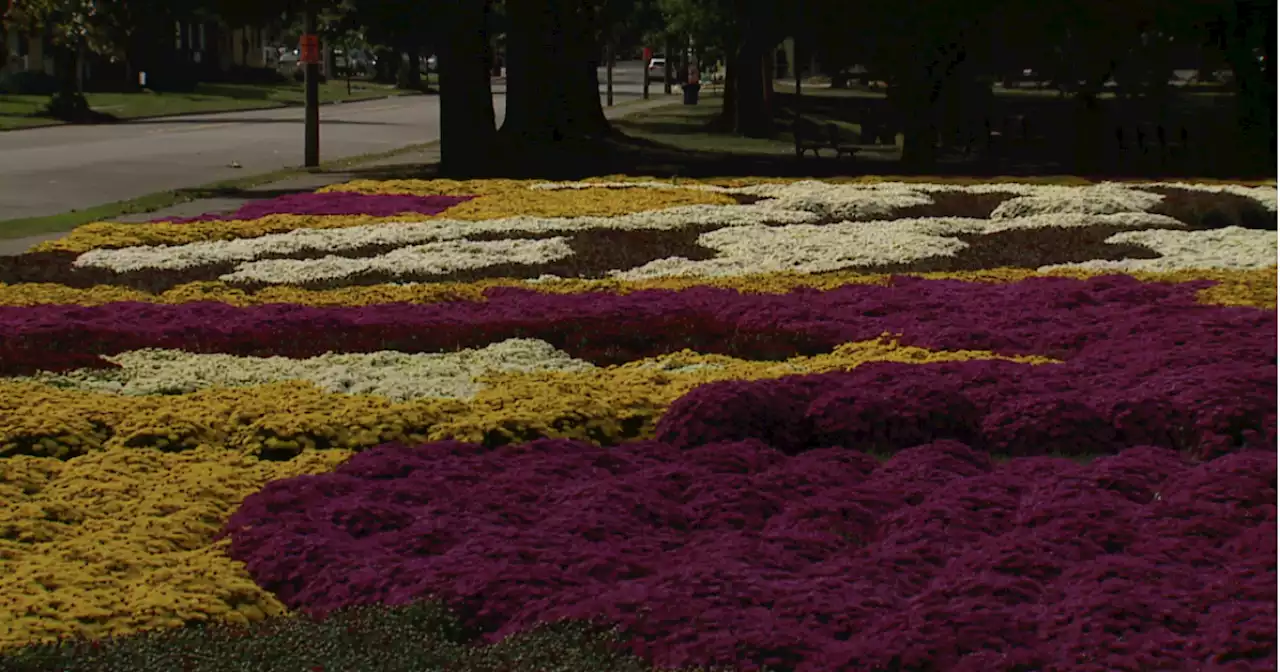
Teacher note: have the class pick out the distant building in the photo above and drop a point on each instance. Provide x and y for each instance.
(25, 52)
(206, 47)
(785, 61)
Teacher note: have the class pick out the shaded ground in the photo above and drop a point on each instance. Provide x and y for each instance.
(1034, 133)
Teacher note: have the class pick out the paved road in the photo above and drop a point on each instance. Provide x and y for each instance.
(46, 171)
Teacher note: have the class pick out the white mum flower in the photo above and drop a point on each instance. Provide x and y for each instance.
(402, 234)
(395, 375)
(806, 248)
(1097, 200)
(1232, 248)
(429, 259)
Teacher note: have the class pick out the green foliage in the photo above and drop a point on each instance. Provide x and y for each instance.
(394, 23)
(99, 26)
(414, 638)
(104, 27)
(28, 82)
(709, 22)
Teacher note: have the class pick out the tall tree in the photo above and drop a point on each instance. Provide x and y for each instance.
(552, 87)
(1243, 33)
(467, 133)
(746, 31)
(76, 28)
(407, 26)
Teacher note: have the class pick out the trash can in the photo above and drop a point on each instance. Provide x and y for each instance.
(691, 93)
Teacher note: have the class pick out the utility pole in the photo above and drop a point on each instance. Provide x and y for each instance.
(310, 56)
(669, 51)
(647, 54)
(608, 73)
(795, 63)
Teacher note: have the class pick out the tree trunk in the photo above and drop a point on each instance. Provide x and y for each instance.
(553, 92)
(729, 108)
(409, 68)
(415, 67)
(584, 111)
(916, 103)
(920, 129)
(1255, 85)
(69, 102)
(387, 66)
(770, 64)
(467, 132)
(751, 112)
(530, 98)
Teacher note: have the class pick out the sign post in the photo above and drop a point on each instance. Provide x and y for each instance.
(644, 71)
(309, 57)
(608, 73)
(666, 69)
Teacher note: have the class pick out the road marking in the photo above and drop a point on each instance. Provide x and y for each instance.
(378, 109)
(192, 128)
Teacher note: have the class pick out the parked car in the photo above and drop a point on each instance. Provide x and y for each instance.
(657, 68)
(287, 56)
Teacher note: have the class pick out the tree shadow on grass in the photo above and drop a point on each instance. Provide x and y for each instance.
(655, 144)
(417, 171)
(243, 193)
(202, 118)
(80, 118)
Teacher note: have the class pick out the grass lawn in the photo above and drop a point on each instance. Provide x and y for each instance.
(21, 111)
(690, 128)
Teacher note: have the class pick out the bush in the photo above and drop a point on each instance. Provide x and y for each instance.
(412, 638)
(735, 553)
(246, 75)
(29, 83)
(299, 75)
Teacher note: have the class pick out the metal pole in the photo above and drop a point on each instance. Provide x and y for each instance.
(644, 74)
(311, 116)
(795, 63)
(666, 68)
(608, 73)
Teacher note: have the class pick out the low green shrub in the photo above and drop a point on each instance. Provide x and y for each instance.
(28, 83)
(420, 637)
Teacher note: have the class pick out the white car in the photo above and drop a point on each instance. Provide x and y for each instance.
(657, 68)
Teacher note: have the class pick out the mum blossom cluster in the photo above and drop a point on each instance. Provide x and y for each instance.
(417, 233)
(1112, 194)
(833, 471)
(804, 248)
(431, 258)
(1231, 248)
(394, 375)
(1132, 352)
(737, 553)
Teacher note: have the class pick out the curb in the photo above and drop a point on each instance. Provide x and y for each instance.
(180, 115)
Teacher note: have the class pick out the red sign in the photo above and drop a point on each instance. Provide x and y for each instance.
(648, 54)
(309, 49)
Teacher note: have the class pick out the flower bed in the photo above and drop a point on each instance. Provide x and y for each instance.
(717, 416)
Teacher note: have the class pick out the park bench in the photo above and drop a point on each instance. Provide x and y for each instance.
(841, 146)
(807, 137)
(811, 137)
(877, 131)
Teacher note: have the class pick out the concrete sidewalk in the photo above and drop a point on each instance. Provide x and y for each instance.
(305, 182)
